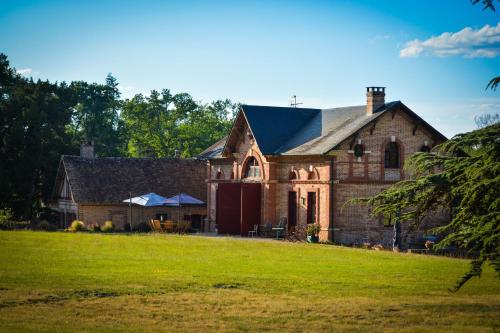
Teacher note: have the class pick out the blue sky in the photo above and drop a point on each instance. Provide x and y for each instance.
(262, 52)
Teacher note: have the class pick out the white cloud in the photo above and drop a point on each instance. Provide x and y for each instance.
(379, 38)
(468, 42)
(24, 71)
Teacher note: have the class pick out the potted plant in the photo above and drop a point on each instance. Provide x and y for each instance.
(312, 233)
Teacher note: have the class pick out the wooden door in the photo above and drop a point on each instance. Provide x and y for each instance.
(228, 209)
(311, 207)
(292, 210)
(250, 206)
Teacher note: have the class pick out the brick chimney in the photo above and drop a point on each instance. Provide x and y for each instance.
(375, 98)
(87, 149)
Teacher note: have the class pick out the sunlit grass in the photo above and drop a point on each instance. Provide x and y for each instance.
(67, 282)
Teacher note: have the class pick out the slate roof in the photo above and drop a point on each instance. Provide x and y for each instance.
(109, 180)
(214, 150)
(274, 126)
(301, 131)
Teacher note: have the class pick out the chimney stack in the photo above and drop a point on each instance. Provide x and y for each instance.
(375, 98)
(87, 149)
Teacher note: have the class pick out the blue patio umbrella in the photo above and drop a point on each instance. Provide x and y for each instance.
(147, 200)
(182, 199)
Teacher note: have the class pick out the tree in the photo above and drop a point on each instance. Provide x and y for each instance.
(96, 116)
(461, 175)
(488, 4)
(161, 124)
(33, 122)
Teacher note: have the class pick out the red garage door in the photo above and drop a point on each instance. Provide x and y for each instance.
(228, 208)
(250, 207)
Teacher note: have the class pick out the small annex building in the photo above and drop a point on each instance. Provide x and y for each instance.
(92, 189)
(303, 164)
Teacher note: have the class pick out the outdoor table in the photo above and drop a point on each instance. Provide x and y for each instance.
(278, 229)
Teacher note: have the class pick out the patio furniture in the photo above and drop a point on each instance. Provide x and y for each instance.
(265, 230)
(168, 226)
(280, 229)
(253, 233)
(156, 226)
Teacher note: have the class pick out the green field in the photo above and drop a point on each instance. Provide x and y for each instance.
(106, 282)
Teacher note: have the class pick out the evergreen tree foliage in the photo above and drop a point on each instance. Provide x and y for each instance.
(462, 175)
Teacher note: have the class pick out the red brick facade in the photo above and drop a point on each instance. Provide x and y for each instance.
(334, 177)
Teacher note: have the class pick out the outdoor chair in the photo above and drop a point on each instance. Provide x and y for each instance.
(265, 230)
(155, 226)
(253, 233)
(168, 226)
(280, 229)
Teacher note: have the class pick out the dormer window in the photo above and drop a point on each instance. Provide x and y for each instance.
(252, 168)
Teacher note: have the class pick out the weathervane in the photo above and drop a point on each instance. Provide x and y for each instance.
(294, 103)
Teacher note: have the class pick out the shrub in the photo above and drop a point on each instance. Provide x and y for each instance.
(108, 227)
(313, 229)
(94, 228)
(46, 226)
(6, 222)
(76, 226)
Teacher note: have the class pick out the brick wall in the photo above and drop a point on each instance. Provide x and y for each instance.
(352, 177)
(119, 214)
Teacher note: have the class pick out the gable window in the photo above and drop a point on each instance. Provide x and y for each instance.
(252, 168)
(220, 174)
(392, 155)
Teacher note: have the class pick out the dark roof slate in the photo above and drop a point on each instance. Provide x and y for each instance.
(301, 131)
(273, 126)
(108, 180)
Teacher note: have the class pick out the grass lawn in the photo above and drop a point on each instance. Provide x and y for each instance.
(97, 282)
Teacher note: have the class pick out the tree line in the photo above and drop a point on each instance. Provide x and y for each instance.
(42, 120)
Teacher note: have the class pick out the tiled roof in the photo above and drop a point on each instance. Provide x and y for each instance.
(113, 179)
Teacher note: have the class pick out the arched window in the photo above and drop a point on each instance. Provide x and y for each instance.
(392, 155)
(292, 175)
(220, 174)
(252, 168)
(311, 175)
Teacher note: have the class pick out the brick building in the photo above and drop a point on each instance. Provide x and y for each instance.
(92, 189)
(304, 164)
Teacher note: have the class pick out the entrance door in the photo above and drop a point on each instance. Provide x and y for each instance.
(250, 207)
(292, 210)
(228, 211)
(311, 207)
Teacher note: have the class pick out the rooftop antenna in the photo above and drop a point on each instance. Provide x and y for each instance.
(294, 103)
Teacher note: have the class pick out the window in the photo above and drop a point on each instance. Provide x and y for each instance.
(220, 174)
(311, 175)
(359, 150)
(292, 175)
(311, 207)
(392, 155)
(425, 149)
(252, 169)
